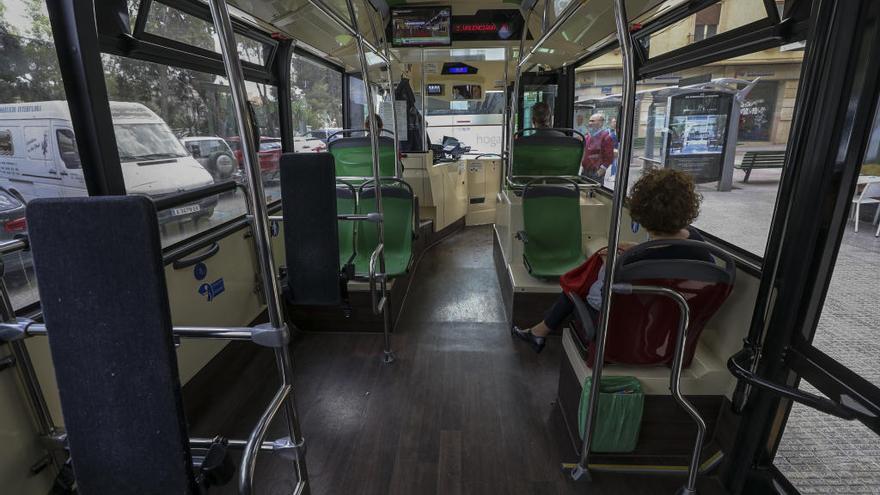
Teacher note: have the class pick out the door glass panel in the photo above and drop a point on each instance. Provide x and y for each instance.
(821, 453)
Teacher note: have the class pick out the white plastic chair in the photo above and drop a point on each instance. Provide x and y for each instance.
(869, 195)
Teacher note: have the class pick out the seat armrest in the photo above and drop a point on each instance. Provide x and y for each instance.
(583, 316)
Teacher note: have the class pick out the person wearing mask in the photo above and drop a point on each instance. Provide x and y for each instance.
(598, 148)
(664, 202)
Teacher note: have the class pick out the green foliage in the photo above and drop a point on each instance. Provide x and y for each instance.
(29, 71)
(316, 96)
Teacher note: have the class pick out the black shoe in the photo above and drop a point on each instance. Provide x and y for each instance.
(536, 342)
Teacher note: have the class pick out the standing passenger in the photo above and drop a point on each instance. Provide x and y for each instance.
(598, 149)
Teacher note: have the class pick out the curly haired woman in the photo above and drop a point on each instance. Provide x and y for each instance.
(664, 202)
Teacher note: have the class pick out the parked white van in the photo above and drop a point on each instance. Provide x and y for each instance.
(39, 158)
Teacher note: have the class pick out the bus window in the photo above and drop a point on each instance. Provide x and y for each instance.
(729, 117)
(264, 99)
(316, 101)
(153, 107)
(167, 22)
(711, 21)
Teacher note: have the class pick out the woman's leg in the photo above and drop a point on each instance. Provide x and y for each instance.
(556, 316)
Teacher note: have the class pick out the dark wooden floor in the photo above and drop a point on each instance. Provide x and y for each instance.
(464, 410)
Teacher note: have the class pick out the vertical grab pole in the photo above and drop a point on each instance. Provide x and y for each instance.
(514, 100)
(626, 134)
(260, 226)
(398, 173)
(388, 355)
(423, 98)
(505, 114)
(675, 387)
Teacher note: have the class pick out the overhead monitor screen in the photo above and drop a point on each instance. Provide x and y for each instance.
(421, 26)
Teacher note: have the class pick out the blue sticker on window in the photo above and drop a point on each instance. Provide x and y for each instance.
(200, 271)
(635, 227)
(213, 289)
(274, 228)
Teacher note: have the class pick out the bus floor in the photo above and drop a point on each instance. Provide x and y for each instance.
(463, 410)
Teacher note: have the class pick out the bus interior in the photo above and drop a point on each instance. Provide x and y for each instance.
(314, 291)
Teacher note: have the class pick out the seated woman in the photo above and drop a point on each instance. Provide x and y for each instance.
(664, 202)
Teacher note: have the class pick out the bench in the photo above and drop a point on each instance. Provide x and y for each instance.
(761, 159)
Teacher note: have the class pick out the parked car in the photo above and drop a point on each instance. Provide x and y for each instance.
(214, 154)
(12, 215)
(269, 153)
(40, 158)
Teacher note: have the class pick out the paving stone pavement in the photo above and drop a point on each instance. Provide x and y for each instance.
(819, 454)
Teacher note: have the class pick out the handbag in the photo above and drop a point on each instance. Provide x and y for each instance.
(580, 279)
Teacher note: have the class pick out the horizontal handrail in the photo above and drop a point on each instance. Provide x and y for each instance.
(369, 217)
(204, 443)
(583, 183)
(194, 195)
(263, 335)
(17, 244)
(814, 401)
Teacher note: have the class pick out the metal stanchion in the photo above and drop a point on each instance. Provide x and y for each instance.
(628, 116)
(387, 355)
(262, 241)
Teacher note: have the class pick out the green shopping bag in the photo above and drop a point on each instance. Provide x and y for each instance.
(619, 417)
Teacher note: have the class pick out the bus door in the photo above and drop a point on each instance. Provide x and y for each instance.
(812, 346)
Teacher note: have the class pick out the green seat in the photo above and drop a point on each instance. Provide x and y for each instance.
(547, 152)
(397, 200)
(354, 156)
(346, 204)
(552, 229)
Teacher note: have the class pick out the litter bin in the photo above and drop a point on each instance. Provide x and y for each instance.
(619, 417)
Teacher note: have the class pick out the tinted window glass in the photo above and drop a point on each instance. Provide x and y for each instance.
(316, 92)
(688, 121)
(155, 105)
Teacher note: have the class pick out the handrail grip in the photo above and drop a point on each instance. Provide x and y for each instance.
(814, 401)
(374, 258)
(255, 441)
(14, 245)
(677, 364)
